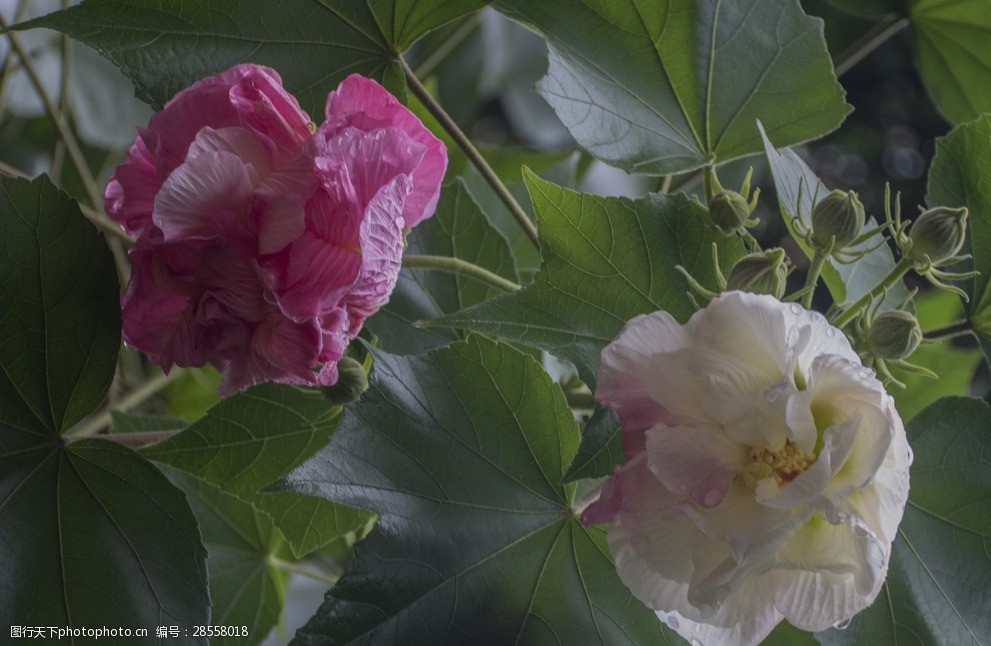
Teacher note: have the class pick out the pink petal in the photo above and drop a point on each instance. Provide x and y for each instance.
(198, 191)
(700, 462)
(364, 104)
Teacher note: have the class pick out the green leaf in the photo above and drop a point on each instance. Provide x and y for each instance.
(461, 451)
(246, 442)
(59, 309)
(797, 186)
(94, 535)
(243, 543)
(951, 39)
(955, 365)
(937, 588)
(164, 46)
(458, 229)
(601, 447)
(664, 87)
(960, 175)
(605, 260)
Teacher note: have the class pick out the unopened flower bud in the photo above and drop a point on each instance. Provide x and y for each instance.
(760, 273)
(837, 220)
(729, 211)
(352, 381)
(937, 235)
(894, 335)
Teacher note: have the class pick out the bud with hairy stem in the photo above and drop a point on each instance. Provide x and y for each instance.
(760, 273)
(352, 382)
(894, 335)
(937, 235)
(837, 220)
(729, 211)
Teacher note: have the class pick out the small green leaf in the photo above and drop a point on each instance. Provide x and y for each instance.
(797, 186)
(952, 43)
(937, 589)
(960, 175)
(165, 46)
(605, 260)
(664, 87)
(458, 229)
(59, 309)
(462, 451)
(246, 442)
(246, 589)
(601, 447)
(94, 535)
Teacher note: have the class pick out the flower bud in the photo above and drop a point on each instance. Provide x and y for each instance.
(729, 211)
(760, 273)
(352, 381)
(894, 335)
(837, 220)
(937, 235)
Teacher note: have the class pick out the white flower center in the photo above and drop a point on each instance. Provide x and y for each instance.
(784, 465)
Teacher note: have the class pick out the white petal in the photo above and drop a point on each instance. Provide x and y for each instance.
(697, 461)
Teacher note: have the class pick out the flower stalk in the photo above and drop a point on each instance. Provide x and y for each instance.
(459, 266)
(850, 313)
(471, 152)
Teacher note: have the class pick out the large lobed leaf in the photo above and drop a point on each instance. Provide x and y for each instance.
(165, 45)
(92, 534)
(960, 175)
(937, 589)
(461, 451)
(660, 87)
(605, 260)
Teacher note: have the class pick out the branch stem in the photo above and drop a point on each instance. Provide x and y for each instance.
(896, 274)
(812, 277)
(302, 571)
(103, 419)
(471, 152)
(955, 329)
(61, 126)
(459, 266)
(871, 40)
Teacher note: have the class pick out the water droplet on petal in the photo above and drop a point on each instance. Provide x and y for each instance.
(795, 309)
(843, 624)
(696, 642)
(909, 454)
(672, 623)
(830, 332)
(860, 530)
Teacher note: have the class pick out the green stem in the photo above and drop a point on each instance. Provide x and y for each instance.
(471, 152)
(896, 274)
(137, 440)
(871, 40)
(459, 266)
(302, 571)
(103, 419)
(58, 155)
(955, 329)
(71, 145)
(812, 277)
